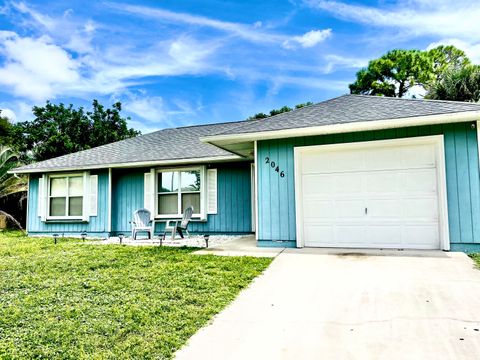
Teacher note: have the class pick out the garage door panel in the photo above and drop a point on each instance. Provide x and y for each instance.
(317, 210)
(384, 208)
(321, 184)
(385, 159)
(421, 209)
(349, 209)
(348, 184)
(319, 235)
(384, 235)
(350, 235)
(332, 162)
(420, 180)
(371, 197)
(418, 156)
(421, 236)
(383, 182)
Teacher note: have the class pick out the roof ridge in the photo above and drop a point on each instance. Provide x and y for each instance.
(415, 99)
(247, 122)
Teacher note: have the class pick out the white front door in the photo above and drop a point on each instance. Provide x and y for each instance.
(370, 195)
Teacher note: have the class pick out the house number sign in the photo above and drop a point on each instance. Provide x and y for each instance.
(274, 166)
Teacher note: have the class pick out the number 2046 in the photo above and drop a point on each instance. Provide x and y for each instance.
(274, 166)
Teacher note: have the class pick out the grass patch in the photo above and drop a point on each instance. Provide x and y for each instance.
(476, 258)
(78, 301)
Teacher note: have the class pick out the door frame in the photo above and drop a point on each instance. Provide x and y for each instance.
(437, 140)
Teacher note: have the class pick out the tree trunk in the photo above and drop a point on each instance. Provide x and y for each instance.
(10, 217)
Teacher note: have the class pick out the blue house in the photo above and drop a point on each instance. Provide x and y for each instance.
(354, 171)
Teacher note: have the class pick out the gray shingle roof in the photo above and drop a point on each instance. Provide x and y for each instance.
(184, 143)
(349, 109)
(163, 145)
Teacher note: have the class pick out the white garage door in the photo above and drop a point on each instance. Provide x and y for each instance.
(370, 195)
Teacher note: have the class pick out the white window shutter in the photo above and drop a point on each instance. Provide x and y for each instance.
(149, 192)
(42, 198)
(93, 195)
(211, 191)
(86, 196)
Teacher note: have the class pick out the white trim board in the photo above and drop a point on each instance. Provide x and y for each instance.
(437, 140)
(190, 161)
(255, 164)
(109, 205)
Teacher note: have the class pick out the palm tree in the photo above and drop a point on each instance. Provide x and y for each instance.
(9, 183)
(462, 84)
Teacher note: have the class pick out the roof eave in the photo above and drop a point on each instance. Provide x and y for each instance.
(222, 140)
(212, 159)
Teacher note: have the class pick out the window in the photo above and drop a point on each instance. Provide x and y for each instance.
(177, 190)
(65, 196)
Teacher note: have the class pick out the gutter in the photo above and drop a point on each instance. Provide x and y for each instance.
(222, 158)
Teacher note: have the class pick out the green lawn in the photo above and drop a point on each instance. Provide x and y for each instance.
(476, 258)
(74, 301)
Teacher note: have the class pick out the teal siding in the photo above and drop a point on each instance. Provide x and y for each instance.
(276, 194)
(127, 196)
(96, 226)
(233, 207)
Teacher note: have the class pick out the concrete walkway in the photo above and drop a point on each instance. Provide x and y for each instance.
(330, 304)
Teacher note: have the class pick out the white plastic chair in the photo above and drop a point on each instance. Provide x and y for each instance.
(179, 225)
(141, 223)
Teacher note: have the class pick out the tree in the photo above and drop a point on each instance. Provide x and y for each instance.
(393, 74)
(396, 72)
(58, 130)
(10, 184)
(281, 110)
(458, 84)
(5, 130)
(299, 106)
(445, 58)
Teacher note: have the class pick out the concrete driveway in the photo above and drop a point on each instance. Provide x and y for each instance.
(326, 304)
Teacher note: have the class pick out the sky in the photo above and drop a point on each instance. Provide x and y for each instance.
(179, 63)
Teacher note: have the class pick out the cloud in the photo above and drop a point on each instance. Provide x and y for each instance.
(415, 17)
(33, 68)
(159, 113)
(335, 62)
(16, 110)
(75, 35)
(9, 114)
(252, 33)
(309, 39)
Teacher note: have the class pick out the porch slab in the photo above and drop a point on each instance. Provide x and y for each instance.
(242, 246)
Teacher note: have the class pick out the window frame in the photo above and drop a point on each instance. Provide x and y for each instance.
(67, 197)
(199, 213)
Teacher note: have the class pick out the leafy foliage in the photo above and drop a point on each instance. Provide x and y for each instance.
(281, 110)
(9, 183)
(393, 74)
(396, 72)
(79, 301)
(59, 130)
(446, 58)
(6, 130)
(458, 84)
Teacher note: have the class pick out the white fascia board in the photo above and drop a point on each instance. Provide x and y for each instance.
(132, 164)
(344, 128)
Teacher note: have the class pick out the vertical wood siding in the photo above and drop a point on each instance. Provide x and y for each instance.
(276, 195)
(96, 225)
(127, 196)
(233, 209)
